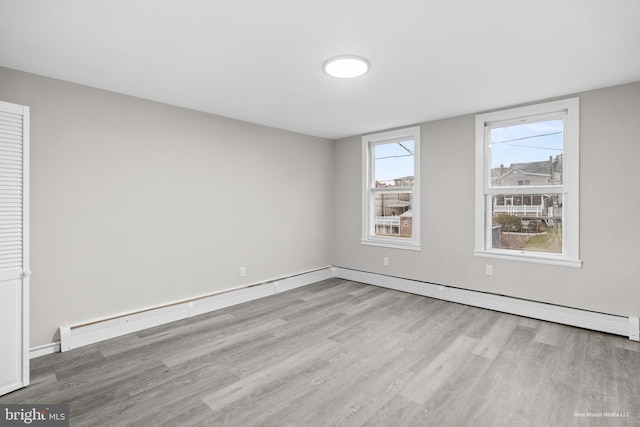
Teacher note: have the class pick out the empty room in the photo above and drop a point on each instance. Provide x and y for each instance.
(288, 213)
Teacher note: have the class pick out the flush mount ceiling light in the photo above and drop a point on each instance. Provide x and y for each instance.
(346, 66)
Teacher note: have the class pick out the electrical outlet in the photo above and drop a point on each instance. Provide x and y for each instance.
(243, 271)
(488, 269)
(385, 260)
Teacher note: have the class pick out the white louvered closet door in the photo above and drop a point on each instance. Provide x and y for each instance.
(14, 254)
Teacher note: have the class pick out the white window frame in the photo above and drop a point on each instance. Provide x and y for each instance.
(368, 190)
(568, 110)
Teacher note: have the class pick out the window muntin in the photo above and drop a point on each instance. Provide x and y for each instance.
(391, 189)
(527, 183)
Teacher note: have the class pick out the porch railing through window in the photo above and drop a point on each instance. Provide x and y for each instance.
(388, 225)
(519, 209)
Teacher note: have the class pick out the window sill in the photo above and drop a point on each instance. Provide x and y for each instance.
(530, 257)
(410, 246)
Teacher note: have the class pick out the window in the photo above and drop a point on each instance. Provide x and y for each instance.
(527, 187)
(391, 189)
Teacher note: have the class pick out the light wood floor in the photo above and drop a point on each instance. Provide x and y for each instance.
(344, 353)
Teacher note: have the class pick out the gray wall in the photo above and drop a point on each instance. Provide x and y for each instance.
(136, 203)
(609, 280)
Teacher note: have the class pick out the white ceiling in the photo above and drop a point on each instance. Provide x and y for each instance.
(261, 60)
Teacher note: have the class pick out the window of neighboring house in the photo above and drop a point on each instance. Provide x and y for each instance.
(527, 187)
(391, 189)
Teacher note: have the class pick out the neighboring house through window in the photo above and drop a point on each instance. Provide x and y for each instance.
(527, 187)
(391, 189)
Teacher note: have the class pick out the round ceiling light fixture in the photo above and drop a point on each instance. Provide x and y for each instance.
(346, 66)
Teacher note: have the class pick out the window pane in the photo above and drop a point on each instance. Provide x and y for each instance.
(528, 222)
(527, 154)
(393, 164)
(393, 214)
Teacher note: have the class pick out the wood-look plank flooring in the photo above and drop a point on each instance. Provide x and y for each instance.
(339, 353)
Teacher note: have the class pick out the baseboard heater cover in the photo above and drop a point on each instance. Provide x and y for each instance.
(613, 324)
(90, 332)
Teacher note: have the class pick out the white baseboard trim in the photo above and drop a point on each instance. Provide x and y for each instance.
(93, 331)
(43, 350)
(614, 324)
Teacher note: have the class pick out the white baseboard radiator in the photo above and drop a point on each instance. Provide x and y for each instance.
(90, 332)
(613, 324)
